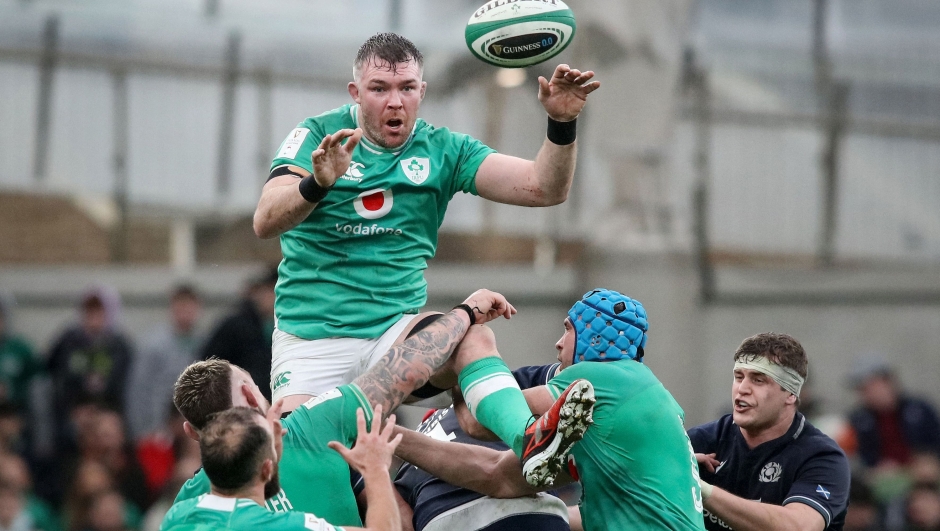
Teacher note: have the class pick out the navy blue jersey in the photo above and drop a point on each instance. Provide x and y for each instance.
(430, 496)
(803, 466)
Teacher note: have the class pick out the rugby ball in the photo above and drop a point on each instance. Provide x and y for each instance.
(518, 33)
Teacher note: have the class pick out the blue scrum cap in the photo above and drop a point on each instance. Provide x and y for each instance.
(608, 326)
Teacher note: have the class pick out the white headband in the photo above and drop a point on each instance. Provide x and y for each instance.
(785, 376)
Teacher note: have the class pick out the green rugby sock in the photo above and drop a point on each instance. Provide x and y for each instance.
(495, 400)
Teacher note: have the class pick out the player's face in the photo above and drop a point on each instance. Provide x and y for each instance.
(565, 346)
(759, 402)
(388, 101)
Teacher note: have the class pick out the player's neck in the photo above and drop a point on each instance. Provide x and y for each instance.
(252, 492)
(758, 436)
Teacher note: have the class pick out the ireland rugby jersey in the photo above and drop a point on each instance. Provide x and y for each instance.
(314, 478)
(636, 463)
(236, 514)
(355, 265)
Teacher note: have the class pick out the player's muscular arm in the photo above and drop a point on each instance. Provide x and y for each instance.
(408, 365)
(484, 470)
(748, 515)
(546, 180)
(282, 206)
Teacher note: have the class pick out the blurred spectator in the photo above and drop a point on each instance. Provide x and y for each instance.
(104, 442)
(15, 478)
(244, 338)
(923, 509)
(91, 478)
(108, 512)
(162, 357)
(182, 471)
(11, 429)
(889, 425)
(159, 452)
(863, 513)
(89, 361)
(18, 364)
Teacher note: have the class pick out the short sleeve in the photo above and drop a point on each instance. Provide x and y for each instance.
(471, 155)
(823, 484)
(313, 523)
(297, 148)
(353, 399)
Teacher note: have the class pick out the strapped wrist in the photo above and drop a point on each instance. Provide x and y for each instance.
(469, 310)
(562, 133)
(311, 190)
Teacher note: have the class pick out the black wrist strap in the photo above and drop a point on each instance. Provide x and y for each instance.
(562, 133)
(311, 190)
(469, 310)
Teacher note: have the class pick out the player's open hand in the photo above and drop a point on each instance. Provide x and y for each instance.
(488, 305)
(374, 449)
(331, 158)
(708, 461)
(566, 93)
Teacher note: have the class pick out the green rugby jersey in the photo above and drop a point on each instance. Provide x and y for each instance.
(636, 463)
(355, 265)
(314, 478)
(211, 512)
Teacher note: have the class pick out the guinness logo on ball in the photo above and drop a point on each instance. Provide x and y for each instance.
(524, 46)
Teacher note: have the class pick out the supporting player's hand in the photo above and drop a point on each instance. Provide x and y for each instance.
(374, 449)
(331, 158)
(708, 461)
(488, 305)
(566, 93)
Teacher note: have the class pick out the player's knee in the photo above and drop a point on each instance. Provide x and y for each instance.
(480, 342)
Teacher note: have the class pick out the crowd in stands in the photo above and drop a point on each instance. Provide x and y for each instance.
(90, 441)
(89, 437)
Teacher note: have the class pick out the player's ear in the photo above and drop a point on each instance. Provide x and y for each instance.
(190, 431)
(353, 89)
(249, 396)
(424, 88)
(267, 470)
(791, 399)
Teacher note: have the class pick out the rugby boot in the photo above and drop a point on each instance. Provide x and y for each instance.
(549, 439)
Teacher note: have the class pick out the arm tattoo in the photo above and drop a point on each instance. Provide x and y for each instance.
(409, 364)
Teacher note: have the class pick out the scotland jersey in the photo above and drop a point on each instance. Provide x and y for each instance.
(431, 497)
(803, 466)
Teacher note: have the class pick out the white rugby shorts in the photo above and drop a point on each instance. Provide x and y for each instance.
(311, 367)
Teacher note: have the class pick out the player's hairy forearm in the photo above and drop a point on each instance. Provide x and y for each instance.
(554, 171)
(480, 469)
(748, 515)
(281, 207)
(408, 365)
(382, 514)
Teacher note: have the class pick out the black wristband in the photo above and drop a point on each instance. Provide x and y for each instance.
(311, 189)
(469, 310)
(562, 133)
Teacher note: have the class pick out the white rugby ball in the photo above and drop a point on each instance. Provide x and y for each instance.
(518, 33)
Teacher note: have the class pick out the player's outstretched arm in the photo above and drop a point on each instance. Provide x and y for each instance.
(749, 515)
(372, 457)
(409, 364)
(286, 200)
(546, 180)
(478, 468)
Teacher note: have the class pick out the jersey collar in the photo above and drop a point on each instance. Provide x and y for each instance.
(375, 148)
